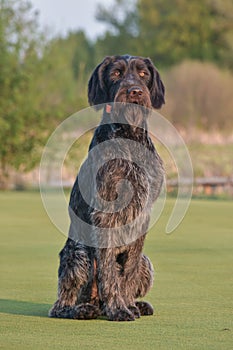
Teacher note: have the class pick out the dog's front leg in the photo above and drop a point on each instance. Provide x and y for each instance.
(109, 286)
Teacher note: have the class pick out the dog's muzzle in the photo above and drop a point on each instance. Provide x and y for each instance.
(134, 94)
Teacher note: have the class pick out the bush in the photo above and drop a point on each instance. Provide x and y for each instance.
(199, 95)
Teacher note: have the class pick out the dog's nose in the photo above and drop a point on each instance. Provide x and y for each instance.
(134, 91)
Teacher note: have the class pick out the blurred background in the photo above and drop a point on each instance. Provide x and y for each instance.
(49, 49)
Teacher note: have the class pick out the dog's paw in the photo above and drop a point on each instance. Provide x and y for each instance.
(145, 308)
(86, 312)
(121, 315)
(77, 312)
(135, 311)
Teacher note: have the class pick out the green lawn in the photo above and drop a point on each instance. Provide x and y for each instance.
(192, 293)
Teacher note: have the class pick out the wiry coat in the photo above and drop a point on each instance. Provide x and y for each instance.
(105, 273)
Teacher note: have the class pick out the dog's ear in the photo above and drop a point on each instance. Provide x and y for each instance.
(97, 89)
(157, 89)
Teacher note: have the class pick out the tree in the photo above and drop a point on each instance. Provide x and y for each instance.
(174, 31)
(67, 64)
(83, 55)
(41, 83)
(122, 28)
(171, 31)
(20, 56)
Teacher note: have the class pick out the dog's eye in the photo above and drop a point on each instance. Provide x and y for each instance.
(142, 74)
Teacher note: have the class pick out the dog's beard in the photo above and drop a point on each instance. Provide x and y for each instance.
(134, 113)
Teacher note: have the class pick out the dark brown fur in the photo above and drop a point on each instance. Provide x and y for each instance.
(98, 279)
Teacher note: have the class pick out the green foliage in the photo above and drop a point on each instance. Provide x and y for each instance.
(83, 56)
(40, 84)
(170, 31)
(122, 30)
(119, 17)
(19, 66)
(65, 74)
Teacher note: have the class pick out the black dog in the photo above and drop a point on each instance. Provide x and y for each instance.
(102, 269)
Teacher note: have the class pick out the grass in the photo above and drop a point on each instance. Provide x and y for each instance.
(192, 293)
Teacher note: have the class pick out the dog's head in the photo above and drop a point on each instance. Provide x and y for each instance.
(126, 79)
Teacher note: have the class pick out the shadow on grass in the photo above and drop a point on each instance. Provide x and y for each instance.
(25, 308)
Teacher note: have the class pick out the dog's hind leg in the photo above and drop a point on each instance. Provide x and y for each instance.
(135, 281)
(145, 281)
(75, 284)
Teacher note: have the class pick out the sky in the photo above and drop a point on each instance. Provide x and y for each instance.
(60, 16)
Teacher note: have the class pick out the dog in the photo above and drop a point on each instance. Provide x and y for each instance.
(102, 269)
